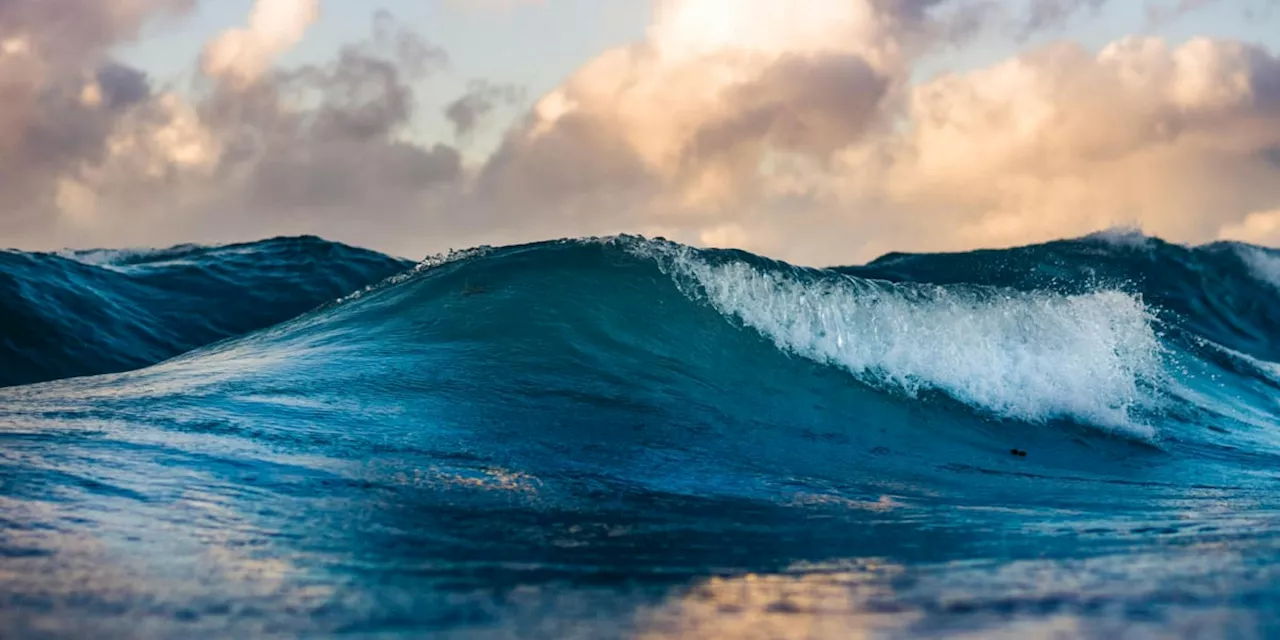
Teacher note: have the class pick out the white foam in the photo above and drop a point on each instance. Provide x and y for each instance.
(1265, 265)
(105, 257)
(1124, 237)
(1033, 357)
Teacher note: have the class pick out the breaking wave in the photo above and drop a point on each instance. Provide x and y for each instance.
(529, 440)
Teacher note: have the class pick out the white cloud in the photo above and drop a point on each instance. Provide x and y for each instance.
(275, 26)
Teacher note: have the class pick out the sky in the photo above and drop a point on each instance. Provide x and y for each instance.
(816, 131)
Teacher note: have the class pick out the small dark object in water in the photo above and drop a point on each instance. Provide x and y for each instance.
(1018, 452)
(473, 290)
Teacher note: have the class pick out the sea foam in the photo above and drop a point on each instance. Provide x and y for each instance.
(1265, 265)
(1094, 357)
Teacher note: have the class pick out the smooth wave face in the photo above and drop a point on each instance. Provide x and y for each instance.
(622, 437)
(104, 311)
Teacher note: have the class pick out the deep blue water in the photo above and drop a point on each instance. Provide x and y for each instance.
(631, 438)
(102, 311)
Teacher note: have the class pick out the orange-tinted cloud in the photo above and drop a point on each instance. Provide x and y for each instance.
(794, 129)
(796, 132)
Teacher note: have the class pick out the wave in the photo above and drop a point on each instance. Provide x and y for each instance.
(1107, 333)
(1265, 263)
(1111, 349)
(1028, 356)
(81, 313)
(1223, 291)
(656, 427)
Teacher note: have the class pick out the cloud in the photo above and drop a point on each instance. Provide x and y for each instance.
(480, 101)
(1261, 227)
(1160, 12)
(62, 95)
(317, 148)
(797, 130)
(275, 26)
(674, 130)
(97, 156)
(1061, 142)
(1044, 14)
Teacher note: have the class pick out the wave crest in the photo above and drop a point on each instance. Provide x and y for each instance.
(1029, 356)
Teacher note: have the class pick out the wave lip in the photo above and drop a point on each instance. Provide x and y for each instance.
(1029, 356)
(1222, 291)
(1265, 264)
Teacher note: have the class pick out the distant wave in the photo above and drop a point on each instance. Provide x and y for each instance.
(81, 313)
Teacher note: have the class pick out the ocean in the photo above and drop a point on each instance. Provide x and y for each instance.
(631, 438)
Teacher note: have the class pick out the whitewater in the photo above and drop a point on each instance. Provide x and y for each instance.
(629, 437)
